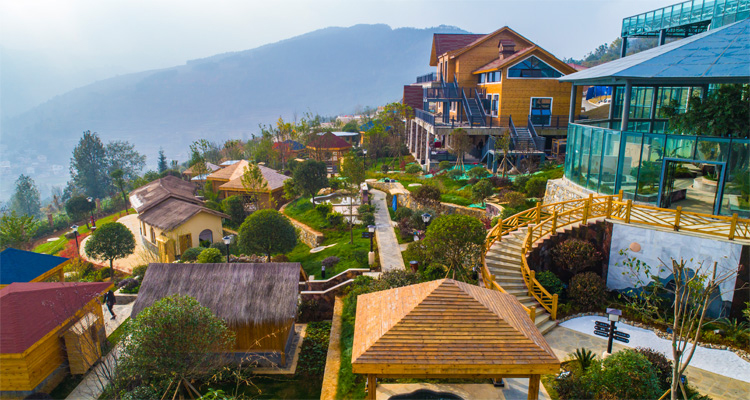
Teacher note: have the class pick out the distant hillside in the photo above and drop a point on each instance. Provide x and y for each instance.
(329, 71)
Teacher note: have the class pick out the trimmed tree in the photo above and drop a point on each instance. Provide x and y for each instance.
(481, 190)
(309, 177)
(110, 242)
(78, 207)
(456, 241)
(267, 232)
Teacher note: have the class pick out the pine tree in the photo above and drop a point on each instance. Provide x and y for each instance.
(25, 200)
(162, 165)
(88, 166)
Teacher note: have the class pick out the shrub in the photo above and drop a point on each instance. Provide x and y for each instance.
(662, 365)
(500, 182)
(536, 186)
(587, 290)
(481, 190)
(233, 207)
(365, 208)
(403, 212)
(413, 169)
(312, 357)
(329, 262)
(324, 208)
(426, 194)
(219, 246)
(571, 385)
(520, 182)
(575, 255)
(361, 257)
(443, 165)
(477, 172)
(335, 219)
(140, 270)
(367, 218)
(280, 258)
(514, 199)
(210, 256)
(334, 183)
(454, 173)
(127, 283)
(584, 357)
(397, 278)
(608, 381)
(384, 168)
(550, 281)
(191, 254)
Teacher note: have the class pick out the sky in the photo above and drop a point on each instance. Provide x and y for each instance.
(137, 35)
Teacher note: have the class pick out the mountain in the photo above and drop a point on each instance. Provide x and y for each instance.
(328, 71)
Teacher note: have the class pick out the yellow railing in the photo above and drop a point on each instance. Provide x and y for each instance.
(546, 219)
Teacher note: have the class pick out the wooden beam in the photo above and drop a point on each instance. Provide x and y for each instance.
(534, 387)
(371, 387)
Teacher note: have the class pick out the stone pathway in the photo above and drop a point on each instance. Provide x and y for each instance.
(565, 341)
(140, 256)
(388, 248)
(333, 358)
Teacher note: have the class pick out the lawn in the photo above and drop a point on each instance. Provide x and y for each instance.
(350, 255)
(58, 245)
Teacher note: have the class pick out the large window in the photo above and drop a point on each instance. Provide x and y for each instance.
(533, 67)
(541, 110)
(491, 77)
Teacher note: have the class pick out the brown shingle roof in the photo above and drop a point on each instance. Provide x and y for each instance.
(273, 179)
(500, 62)
(240, 294)
(211, 168)
(173, 212)
(153, 193)
(228, 173)
(445, 42)
(329, 141)
(446, 327)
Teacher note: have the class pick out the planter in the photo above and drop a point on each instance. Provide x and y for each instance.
(705, 185)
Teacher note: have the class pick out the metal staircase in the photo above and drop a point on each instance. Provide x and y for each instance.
(504, 263)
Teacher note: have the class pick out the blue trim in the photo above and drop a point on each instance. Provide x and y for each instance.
(719, 184)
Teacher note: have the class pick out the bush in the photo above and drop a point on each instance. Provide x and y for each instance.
(413, 169)
(607, 379)
(140, 270)
(366, 208)
(361, 257)
(191, 254)
(129, 286)
(329, 262)
(500, 182)
(335, 219)
(575, 255)
(233, 207)
(219, 246)
(324, 208)
(588, 291)
(662, 365)
(477, 172)
(426, 194)
(514, 199)
(536, 186)
(454, 173)
(384, 168)
(443, 165)
(403, 212)
(520, 182)
(551, 282)
(367, 219)
(334, 183)
(210, 256)
(312, 357)
(280, 258)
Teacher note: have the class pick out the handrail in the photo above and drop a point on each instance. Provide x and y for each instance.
(481, 105)
(538, 141)
(546, 219)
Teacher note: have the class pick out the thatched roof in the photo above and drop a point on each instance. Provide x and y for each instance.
(230, 172)
(241, 294)
(153, 193)
(209, 166)
(274, 180)
(329, 141)
(174, 212)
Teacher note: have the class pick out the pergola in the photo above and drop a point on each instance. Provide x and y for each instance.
(719, 55)
(447, 329)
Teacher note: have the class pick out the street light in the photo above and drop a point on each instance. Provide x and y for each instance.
(228, 241)
(426, 217)
(93, 223)
(75, 234)
(364, 158)
(371, 234)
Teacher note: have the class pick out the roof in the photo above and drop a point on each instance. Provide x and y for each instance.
(577, 67)
(445, 42)
(521, 55)
(211, 168)
(342, 134)
(228, 163)
(153, 193)
(720, 55)
(24, 266)
(29, 311)
(234, 170)
(241, 294)
(273, 178)
(295, 145)
(446, 327)
(518, 37)
(174, 212)
(328, 141)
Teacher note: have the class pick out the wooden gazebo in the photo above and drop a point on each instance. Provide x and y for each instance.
(447, 329)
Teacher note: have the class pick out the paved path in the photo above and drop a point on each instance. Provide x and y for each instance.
(140, 256)
(333, 358)
(565, 341)
(388, 248)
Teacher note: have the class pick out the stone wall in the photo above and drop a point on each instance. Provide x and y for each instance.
(562, 190)
(306, 234)
(322, 301)
(405, 200)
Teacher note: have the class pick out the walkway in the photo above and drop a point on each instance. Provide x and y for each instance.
(388, 248)
(333, 358)
(140, 256)
(565, 341)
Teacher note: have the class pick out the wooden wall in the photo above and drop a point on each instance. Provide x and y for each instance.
(262, 338)
(25, 371)
(482, 55)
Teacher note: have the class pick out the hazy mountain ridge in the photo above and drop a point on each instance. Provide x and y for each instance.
(328, 71)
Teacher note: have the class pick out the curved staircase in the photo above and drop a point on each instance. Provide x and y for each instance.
(504, 263)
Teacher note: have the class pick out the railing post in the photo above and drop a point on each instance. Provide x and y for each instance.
(628, 207)
(587, 208)
(532, 314)
(554, 306)
(538, 212)
(677, 214)
(609, 207)
(619, 195)
(733, 226)
(554, 222)
(532, 273)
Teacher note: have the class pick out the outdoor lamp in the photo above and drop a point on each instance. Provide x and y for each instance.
(75, 234)
(426, 218)
(227, 241)
(613, 314)
(371, 229)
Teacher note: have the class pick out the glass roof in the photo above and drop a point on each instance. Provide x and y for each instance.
(717, 56)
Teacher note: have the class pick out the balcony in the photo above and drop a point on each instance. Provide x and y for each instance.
(431, 77)
(689, 17)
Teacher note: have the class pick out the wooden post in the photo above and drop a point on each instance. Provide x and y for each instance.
(61, 275)
(534, 387)
(733, 226)
(532, 273)
(609, 207)
(619, 195)
(532, 314)
(538, 212)
(677, 215)
(554, 306)
(628, 207)
(371, 385)
(587, 209)
(554, 222)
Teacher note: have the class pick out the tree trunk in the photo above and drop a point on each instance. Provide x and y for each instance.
(268, 257)
(125, 200)
(111, 270)
(351, 219)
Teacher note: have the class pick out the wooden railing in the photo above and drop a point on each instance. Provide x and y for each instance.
(546, 219)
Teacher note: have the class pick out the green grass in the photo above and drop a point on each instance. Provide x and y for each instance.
(58, 245)
(455, 199)
(115, 336)
(350, 386)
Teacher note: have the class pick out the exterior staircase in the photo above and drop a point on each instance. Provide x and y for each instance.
(474, 114)
(524, 140)
(504, 262)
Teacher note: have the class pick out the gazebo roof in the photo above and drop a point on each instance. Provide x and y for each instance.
(25, 266)
(447, 328)
(717, 56)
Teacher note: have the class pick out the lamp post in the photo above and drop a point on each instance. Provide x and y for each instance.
(227, 241)
(371, 234)
(613, 315)
(364, 158)
(93, 222)
(75, 235)
(426, 217)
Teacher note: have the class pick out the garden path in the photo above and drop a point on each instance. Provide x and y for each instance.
(565, 341)
(388, 248)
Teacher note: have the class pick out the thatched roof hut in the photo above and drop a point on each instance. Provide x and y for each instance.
(258, 301)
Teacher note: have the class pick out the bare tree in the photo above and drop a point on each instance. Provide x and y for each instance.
(461, 144)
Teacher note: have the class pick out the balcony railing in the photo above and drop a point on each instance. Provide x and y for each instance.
(425, 116)
(719, 12)
(431, 77)
(553, 121)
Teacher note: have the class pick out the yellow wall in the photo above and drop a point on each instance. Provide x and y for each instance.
(194, 226)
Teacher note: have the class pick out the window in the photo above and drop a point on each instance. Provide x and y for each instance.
(490, 77)
(533, 67)
(495, 104)
(481, 78)
(153, 236)
(541, 110)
